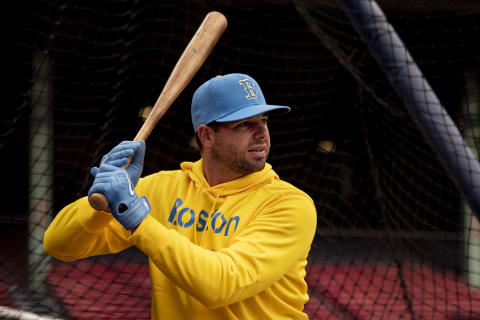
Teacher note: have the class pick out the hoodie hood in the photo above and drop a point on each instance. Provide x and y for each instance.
(249, 182)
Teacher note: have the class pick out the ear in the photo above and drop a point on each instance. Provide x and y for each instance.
(206, 135)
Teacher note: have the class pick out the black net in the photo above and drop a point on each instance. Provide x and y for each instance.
(395, 238)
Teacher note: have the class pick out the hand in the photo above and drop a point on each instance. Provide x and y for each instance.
(115, 184)
(119, 157)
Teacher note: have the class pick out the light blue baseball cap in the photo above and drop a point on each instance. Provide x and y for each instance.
(228, 98)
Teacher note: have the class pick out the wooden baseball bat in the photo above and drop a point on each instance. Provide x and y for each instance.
(192, 58)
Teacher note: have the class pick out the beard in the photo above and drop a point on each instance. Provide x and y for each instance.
(235, 159)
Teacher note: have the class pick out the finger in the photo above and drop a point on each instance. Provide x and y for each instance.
(98, 188)
(139, 154)
(120, 158)
(93, 171)
(105, 168)
(124, 145)
(120, 154)
(104, 178)
(118, 163)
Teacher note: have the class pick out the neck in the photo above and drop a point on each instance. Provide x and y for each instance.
(216, 173)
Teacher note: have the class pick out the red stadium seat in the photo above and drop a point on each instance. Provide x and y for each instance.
(363, 291)
(96, 290)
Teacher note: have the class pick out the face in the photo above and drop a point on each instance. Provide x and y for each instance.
(242, 146)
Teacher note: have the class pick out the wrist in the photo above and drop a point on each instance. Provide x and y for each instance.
(134, 214)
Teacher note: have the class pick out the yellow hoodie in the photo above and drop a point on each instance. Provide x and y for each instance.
(237, 250)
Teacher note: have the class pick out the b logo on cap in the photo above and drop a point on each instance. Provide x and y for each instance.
(248, 86)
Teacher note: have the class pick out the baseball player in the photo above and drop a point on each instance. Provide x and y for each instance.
(226, 238)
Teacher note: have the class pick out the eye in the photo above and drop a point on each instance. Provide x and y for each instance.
(243, 124)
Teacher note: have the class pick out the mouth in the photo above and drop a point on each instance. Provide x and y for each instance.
(257, 150)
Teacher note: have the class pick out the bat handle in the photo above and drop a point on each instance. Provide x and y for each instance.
(98, 201)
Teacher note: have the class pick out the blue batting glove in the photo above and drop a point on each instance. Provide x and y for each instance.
(115, 184)
(119, 156)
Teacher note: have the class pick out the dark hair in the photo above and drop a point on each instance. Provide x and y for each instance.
(196, 143)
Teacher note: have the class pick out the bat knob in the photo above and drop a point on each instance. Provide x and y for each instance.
(99, 202)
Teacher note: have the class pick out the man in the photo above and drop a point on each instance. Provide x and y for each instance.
(225, 237)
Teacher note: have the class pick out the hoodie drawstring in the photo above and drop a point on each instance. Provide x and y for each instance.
(210, 214)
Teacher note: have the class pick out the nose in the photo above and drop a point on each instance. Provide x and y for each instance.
(261, 130)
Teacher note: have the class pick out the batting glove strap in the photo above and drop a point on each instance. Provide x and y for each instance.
(134, 213)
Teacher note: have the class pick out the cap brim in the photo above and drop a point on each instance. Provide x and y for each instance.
(251, 111)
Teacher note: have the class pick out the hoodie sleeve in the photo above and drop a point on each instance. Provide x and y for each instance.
(263, 252)
(78, 231)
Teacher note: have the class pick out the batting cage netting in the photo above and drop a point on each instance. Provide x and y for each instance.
(396, 237)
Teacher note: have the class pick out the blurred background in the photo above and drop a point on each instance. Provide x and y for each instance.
(395, 236)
